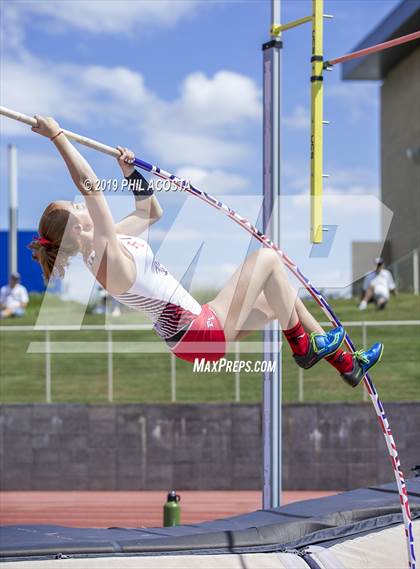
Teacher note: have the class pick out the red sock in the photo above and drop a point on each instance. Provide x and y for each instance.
(298, 339)
(341, 360)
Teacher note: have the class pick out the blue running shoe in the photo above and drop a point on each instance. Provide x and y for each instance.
(321, 345)
(363, 361)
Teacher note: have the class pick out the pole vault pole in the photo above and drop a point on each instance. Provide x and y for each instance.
(272, 380)
(294, 269)
(373, 49)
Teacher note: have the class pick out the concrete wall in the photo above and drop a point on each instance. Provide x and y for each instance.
(400, 130)
(197, 446)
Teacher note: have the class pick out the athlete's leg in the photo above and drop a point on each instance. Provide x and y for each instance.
(308, 321)
(229, 307)
(260, 315)
(262, 271)
(341, 360)
(347, 364)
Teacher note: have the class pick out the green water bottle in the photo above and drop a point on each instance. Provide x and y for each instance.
(172, 510)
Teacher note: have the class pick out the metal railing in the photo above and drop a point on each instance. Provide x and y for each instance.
(409, 267)
(111, 347)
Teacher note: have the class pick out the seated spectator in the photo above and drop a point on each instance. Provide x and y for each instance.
(13, 298)
(377, 286)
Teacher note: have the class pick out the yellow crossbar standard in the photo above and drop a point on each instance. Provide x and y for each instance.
(316, 120)
(277, 28)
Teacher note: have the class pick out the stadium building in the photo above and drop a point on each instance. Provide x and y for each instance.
(399, 70)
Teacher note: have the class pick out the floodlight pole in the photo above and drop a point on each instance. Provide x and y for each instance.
(13, 208)
(272, 380)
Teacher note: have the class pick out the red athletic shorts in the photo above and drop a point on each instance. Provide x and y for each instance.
(204, 338)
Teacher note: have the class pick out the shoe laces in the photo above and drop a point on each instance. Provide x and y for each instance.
(312, 337)
(361, 356)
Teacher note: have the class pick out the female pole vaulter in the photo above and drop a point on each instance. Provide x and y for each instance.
(124, 264)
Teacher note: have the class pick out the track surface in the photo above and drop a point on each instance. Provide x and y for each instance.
(128, 509)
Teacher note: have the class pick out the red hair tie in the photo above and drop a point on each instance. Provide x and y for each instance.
(43, 241)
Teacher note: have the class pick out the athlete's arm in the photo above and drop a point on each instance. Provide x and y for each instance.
(108, 250)
(83, 176)
(148, 209)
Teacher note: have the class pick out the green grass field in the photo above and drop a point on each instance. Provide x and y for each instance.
(146, 377)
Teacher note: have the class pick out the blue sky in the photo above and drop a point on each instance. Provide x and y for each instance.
(180, 83)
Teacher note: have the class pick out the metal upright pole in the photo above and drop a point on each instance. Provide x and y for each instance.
(416, 271)
(271, 188)
(13, 208)
(110, 368)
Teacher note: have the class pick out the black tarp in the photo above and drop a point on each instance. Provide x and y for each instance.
(325, 521)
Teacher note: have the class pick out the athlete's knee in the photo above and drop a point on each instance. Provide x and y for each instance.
(268, 256)
(274, 260)
(264, 262)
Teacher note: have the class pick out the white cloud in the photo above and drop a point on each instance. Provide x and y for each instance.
(120, 83)
(355, 181)
(350, 190)
(201, 132)
(345, 176)
(299, 119)
(213, 181)
(226, 98)
(68, 91)
(173, 131)
(173, 147)
(341, 181)
(357, 98)
(207, 123)
(11, 26)
(340, 205)
(296, 174)
(96, 16)
(356, 217)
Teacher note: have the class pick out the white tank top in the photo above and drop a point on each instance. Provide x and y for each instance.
(155, 291)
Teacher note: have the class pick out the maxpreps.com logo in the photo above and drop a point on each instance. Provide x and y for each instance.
(201, 365)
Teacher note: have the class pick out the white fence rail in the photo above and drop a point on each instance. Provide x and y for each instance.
(111, 347)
